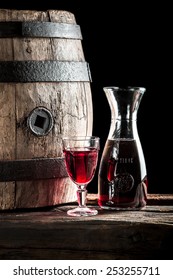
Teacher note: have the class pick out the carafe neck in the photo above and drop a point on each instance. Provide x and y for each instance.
(124, 104)
(124, 129)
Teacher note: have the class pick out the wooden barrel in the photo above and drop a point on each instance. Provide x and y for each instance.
(45, 93)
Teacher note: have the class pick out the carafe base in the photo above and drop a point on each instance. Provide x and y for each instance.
(122, 208)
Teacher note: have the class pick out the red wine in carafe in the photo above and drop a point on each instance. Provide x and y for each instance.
(122, 176)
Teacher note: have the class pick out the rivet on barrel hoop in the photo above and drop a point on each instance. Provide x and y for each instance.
(40, 121)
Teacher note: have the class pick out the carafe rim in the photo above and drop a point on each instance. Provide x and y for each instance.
(127, 88)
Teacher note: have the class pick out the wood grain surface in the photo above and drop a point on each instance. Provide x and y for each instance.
(51, 234)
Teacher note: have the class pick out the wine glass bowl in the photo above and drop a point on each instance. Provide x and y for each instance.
(81, 157)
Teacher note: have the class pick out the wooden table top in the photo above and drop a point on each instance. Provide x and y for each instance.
(50, 233)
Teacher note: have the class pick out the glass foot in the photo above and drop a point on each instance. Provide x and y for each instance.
(82, 211)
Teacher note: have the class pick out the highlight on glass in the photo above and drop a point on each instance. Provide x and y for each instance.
(81, 157)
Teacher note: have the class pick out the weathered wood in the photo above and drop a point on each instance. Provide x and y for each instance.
(152, 199)
(69, 102)
(27, 15)
(51, 234)
(160, 199)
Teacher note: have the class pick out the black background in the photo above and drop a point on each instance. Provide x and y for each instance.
(127, 44)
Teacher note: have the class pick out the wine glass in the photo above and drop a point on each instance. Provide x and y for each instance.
(81, 156)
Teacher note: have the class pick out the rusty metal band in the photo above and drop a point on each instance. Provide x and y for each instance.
(44, 71)
(32, 169)
(40, 29)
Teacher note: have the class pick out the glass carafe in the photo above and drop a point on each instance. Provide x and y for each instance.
(122, 178)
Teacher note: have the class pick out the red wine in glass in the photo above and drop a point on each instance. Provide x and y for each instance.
(81, 156)
(81, 164)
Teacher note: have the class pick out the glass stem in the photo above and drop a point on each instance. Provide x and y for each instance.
(81, 196)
